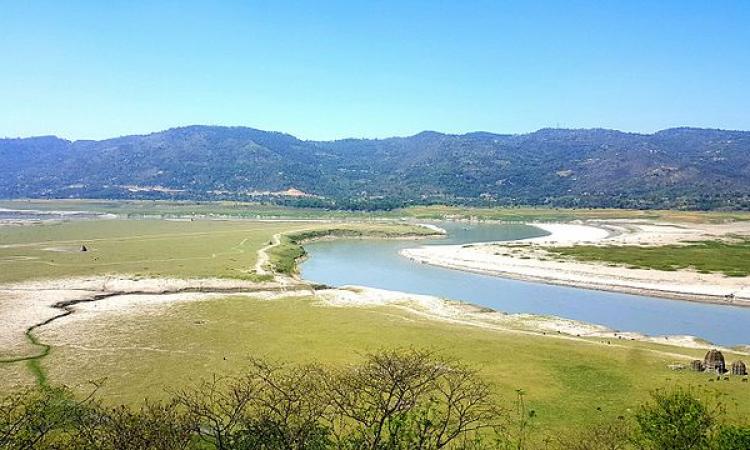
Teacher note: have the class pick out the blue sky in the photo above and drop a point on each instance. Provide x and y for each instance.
(333, 69)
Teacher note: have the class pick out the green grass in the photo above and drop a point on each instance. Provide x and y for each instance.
(728, 258)
(527, 214)
(160, 248)
(147, 353)
(187, 249)
(140, 247)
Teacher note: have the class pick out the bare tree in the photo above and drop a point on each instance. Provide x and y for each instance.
(409, 399)
(289, 406)
(218, 408)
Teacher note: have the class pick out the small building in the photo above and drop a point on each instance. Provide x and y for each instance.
(739, 368)
(697, 365)
(714, 362)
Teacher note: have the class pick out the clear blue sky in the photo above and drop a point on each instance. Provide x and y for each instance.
(332, 69)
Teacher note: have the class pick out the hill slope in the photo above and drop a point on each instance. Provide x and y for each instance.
(683, 167)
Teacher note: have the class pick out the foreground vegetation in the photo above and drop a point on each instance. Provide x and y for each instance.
(391, 400)
(143, 351)
(730, 258)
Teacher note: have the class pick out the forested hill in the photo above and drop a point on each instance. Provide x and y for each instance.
(675, 168)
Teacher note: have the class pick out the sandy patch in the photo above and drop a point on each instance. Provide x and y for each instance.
(432, 227)
(527, 260)
(435, 308)
(23, 305)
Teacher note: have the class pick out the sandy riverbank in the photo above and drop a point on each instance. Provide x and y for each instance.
(466, 314)
(24, 305)
(527, 260)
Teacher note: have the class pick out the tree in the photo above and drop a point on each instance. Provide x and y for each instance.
(410, 399)
(676, 420)
(29, 418)
(153, 426)
(217, 407)
(288, 408)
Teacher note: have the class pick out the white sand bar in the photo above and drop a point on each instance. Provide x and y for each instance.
(527, 259)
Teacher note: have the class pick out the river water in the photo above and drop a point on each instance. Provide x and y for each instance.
(376, 263)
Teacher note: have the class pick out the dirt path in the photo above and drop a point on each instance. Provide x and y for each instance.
(262, 262)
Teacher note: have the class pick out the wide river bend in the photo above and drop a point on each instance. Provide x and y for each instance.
(376, 263)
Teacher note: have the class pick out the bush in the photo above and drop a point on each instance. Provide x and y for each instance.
(732, 437)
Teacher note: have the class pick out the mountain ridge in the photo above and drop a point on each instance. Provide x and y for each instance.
(682, 167)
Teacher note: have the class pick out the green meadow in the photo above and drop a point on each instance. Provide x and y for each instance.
(138, 247)
(568, 382)
(729, 258)
(169, 248)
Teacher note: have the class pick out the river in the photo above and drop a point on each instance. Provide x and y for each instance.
(376, 263)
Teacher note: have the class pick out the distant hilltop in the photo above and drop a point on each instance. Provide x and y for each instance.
(689, 168)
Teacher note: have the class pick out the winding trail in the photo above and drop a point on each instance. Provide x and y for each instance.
(262, 262)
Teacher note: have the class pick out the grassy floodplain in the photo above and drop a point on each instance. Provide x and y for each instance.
(730, 258)
(166, 208)
(530, 214)
(143, 353)
(138, 247)
(170, 248)
(565, 381)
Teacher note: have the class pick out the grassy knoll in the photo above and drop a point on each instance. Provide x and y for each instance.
(143, 353)
(729, 258)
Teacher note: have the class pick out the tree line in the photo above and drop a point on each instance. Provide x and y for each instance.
(396, 399)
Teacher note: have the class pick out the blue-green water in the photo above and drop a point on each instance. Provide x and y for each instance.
(376, 263)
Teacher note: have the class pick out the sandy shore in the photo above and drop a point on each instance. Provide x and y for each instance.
(435, 308)
(527, 260)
